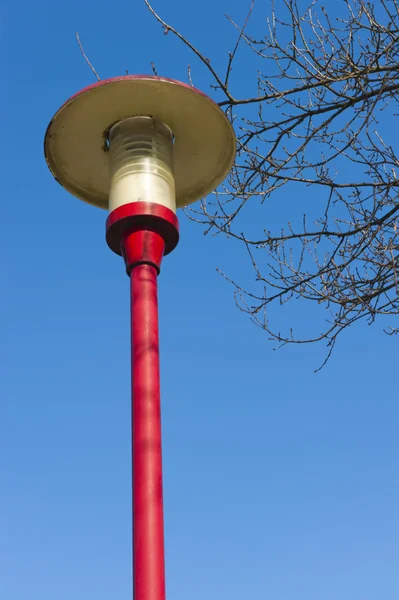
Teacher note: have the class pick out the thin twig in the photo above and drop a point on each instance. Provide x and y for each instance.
(189, 75)
(86, 57)
(203, 59)
(240, 36)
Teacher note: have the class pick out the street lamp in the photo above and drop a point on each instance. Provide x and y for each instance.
(141, 147)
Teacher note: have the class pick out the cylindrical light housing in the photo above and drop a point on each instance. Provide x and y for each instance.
(141, 163)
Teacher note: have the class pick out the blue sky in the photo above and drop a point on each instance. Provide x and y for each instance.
(279, 483)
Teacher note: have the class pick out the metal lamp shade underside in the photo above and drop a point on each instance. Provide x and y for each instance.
(76, 146)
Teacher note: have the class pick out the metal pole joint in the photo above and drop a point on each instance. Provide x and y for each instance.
(142, 232)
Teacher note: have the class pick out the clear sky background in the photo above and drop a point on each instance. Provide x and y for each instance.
(279, 483)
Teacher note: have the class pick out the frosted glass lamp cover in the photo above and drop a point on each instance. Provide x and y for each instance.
(141, 163)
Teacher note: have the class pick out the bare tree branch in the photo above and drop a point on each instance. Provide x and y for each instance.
(316, 136)
(202, 58)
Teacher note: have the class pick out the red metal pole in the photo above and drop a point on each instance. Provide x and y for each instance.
(143, 234)
(148, 527)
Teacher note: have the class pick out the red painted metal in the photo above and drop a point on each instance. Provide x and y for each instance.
(143, 247)
(148, 536)
(143, 251)
(136, 216)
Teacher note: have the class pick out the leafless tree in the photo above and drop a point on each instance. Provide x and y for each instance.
(314, 136)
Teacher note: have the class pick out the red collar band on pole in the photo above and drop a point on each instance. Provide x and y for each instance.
(141, 217)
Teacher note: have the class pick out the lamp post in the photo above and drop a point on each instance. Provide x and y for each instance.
(141, 147)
